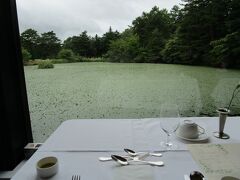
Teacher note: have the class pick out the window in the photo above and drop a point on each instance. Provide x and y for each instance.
(185, 55)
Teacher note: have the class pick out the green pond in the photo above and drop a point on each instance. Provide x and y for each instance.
(116, 90)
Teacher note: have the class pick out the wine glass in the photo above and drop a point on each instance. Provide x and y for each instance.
(169, 123)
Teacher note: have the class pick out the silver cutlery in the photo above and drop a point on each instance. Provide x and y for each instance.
(133, 153)
(127, 157)
(76, 177)
(120, 160)
(152, 154)
(124, 161)
(109, 158)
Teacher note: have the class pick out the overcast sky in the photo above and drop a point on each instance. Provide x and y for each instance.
(71, 17)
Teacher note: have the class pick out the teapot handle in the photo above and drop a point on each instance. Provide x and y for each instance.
(202, 130)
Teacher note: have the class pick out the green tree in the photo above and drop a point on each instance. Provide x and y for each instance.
(66, 54)
(124, 49)
(153, 29)
(226, 51)
(172, 54)
(97, 46)
(201, 32)
(233, 18)
(49, 45)
(80, 45)
(71, 43)
(154, 47)
(144, 25)
(84, 44)
(30, 41)
(107, 38)
(203, 22)
(176, 16)
(26, 55)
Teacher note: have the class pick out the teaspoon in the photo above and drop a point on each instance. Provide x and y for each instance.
(133, 153)
(109, 158)
(120, 160)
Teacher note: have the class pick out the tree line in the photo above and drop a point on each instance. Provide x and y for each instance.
(200, 32)
(48, 45)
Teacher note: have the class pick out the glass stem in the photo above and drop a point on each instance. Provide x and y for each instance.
(168, 139)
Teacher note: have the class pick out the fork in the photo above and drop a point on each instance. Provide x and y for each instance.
(76, 177)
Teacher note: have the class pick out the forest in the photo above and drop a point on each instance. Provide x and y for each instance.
(197, 32)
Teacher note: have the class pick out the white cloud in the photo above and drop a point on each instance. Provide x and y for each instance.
(71, 17)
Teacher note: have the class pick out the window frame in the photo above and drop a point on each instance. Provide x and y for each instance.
(15, 125)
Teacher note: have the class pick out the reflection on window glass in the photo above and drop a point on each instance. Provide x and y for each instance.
(88, 60)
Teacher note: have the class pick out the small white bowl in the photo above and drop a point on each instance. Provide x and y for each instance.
(47, 167)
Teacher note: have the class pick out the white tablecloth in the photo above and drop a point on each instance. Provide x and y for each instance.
(79, 143)
(116, 134)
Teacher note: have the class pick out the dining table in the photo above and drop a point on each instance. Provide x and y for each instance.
(79, 143)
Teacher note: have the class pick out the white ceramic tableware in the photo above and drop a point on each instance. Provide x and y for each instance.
(189, 129)
(47, 167)
(201, 138)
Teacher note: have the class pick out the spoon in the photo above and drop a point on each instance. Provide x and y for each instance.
(120, 160)
(133, 153)
(124, 161)
(109, 158)
(196, 175)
